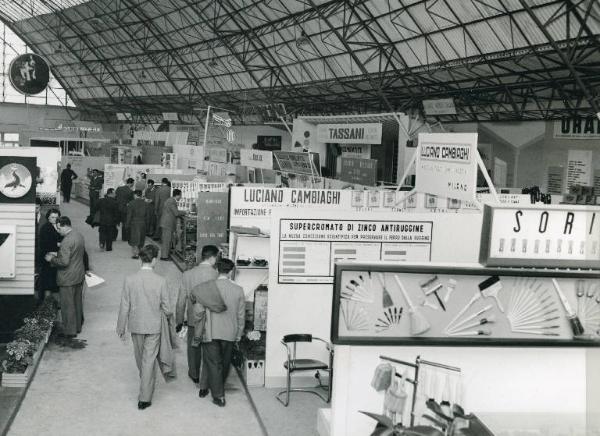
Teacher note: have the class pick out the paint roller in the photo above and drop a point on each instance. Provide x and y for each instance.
(418, 322)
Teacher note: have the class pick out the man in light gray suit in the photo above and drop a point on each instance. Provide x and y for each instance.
(226, 328)
(168, 223)
(204, 272)
(70, 276)
(144, 296)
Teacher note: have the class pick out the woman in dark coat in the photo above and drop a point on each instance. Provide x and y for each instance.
(49, 240)
(136, 222)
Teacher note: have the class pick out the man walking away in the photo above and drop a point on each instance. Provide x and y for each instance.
(109, 219)
(168, 223)
(161, 196)
(144, 297)
(136, 223)
(70, 276)
(96, 182)
(226, 328)
(201, 273)
(66, 182)
(124, 195)
(149, 195)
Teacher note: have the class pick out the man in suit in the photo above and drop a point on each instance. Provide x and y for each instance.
(124, 195)
(201, 273)
(226, 328)
(109, 219)
(168, 223)
(149, 195)
(96, 182)
(136, 223)
(71, 272)
(66, 182)
(161, 196)
(144, 297)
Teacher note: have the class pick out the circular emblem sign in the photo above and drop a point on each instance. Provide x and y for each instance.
(29, 74)
(15, 180)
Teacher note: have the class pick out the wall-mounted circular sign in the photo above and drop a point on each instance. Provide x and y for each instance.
(29, 74)
(15, 180)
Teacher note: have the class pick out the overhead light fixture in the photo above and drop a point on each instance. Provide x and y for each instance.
(143, 75)
(213, 63)
(59, 48)
(302, 40)
(79, 81)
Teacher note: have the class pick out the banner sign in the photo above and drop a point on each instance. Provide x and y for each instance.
(218, 155)
(446, 165)
(309, 248)
(212, 219)
(298, 163)
(363, 171)
(546, 236)
(170, 116)
(359, 151)
(441, 106)
(577, 128)
(256, 159)
(579, 168)
(355, 133)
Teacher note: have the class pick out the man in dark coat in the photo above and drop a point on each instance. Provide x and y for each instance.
(96, 182)
(161, 196)
(136, 223)
(124, 195)
(168, 223)
(109, 219)
(150, 195)
(66, 182)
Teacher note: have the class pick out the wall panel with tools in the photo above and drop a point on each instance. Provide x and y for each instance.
(410, 304)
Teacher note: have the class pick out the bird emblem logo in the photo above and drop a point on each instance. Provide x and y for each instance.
(15, 180)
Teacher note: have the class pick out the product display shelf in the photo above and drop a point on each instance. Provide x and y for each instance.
(184, 251)
(250, 246)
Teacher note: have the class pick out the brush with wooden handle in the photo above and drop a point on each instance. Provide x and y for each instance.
(574, 321)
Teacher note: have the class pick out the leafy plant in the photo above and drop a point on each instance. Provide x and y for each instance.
(31, 331)
(20, 356)
(253, 345)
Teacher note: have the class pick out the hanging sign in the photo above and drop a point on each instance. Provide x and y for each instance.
(298, 163)
(355, 133)
(256, 159)
(359, 151)
(217, 155)
(212, 219)
(170, 116)
(440, 106)
(545, 236)
(579, 168)
(577, 128)
(446, 165)
(29, 74)
(362, 171)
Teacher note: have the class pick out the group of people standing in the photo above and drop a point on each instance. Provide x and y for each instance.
(142, 210)
(215, 310)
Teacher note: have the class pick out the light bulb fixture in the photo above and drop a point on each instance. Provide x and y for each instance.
(143, 75)
(79, 81)
(302, 40)
(213, 63)
(59, 48)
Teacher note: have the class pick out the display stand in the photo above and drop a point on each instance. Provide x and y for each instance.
(250, 275)
(184, 250)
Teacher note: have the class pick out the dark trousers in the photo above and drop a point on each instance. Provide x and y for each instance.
(124, 229)
(71, 308)
(107, 236)
(157, 227)
(150, 219)
(94, 197)
(217, 363)
(66, 190)
(165, 242)
(194, 355)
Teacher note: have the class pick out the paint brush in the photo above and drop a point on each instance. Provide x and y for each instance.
(418, 322)
(449, 289)
(386, 297)
(490, 288)
(432, 286)
(482, 332)
(473, 299)
(535, 332)
(489, 320)
(454, 327)
(574, 321)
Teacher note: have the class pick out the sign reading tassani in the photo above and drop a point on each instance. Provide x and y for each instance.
(359, 133)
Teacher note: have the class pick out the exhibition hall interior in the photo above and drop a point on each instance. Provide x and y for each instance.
(300, 217)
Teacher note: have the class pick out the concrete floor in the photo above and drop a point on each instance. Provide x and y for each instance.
(93, 390)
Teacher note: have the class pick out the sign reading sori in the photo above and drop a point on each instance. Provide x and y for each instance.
(359, 133)
(446, 165)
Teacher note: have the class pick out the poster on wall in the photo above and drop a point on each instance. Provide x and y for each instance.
(435, 304)
(8, 250)
(579, 168)
(446, 165)
(189, 156)
(577, 128)
(544, 236)
(46, 171)
(362, 171)
(17, 179)
(212, 219)
(116, 175)
(256, 159)
(309, 248)
(555, 180)
(354, 133)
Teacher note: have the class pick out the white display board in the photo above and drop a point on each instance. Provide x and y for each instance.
(446, 165)
(189, 156)
(579, 168)
(116, 175)
(309, 248)
(8, 251)
(257, 159)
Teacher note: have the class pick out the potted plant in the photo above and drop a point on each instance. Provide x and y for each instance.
(252, 347)
(17, 367)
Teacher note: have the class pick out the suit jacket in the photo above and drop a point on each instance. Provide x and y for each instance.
(229, 325)
(144, 297)
(70, 260)
(123, 195)
(191, 278)
(67, 176)
(160, 196)
(168, 218)
(150, 194)
(136, 211)
(109, 211)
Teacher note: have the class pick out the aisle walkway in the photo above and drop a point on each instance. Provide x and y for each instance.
(93, 391)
